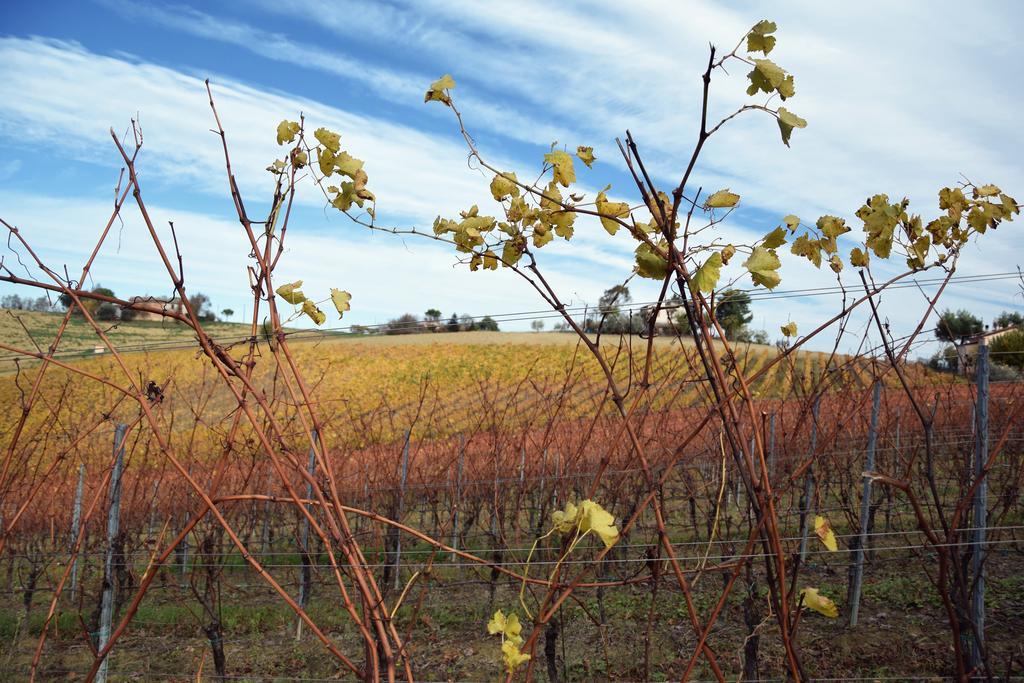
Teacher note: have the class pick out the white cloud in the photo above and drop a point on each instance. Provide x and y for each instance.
(899, 100)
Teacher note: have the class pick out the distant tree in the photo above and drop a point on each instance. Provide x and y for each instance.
(41, 303)
(1008, 319)
(537, 325)
(200, 304)
(612, 299)
(561, 327)
(453, 323)
(12, 302)
(733, 311)
(487, 324)
(957, 326)
(227, 313)
(107, 311)
(359, 329)
(1008, 349)
(467, 323)
(432, 318)
(752, 336)
(406, 323)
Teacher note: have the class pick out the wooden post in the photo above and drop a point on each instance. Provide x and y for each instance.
(113, 529)
(76, 523)
(865, 506)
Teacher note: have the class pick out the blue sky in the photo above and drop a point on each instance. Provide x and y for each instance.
(899, 98)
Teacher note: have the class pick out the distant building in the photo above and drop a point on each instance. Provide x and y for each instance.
(967, 350)
(153, 308)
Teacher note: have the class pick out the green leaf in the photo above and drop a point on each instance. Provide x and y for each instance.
(291, 292)
(438, 90)
(723, 199)
(766, 76)
(763, 266)
(776, 238)
(503, 186)
(787, 122)
(564, 173)
(758, 39)
(649, 264)
(586, 155)
(706, 277)
(286, 131)
(328, 139)
(340, 300)
(789, 329)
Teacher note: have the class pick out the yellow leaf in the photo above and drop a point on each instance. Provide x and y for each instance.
(825, 533)
(438, 90)
(497, 623)
(789, 329)
(504, 185)
(340, 300)
(314, 313)
(328, 139)
(609, 211)
(600, 521)
(586, 155)
(286, 131)
(291, 292)
(792, 222)
(819, 603)
(566, 520)
(513, 657)
(858, 258)
(564, 173)
(776, 238)
(723, 199)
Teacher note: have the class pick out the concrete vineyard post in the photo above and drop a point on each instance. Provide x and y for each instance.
(305, 576)
(458, 495)
(808, 493)
(865, 506)
(976, 655)
(113, 529)
(401, 506)
(76, 523)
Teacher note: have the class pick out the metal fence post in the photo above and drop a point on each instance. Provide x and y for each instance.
(113, 529)
(865, 505)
